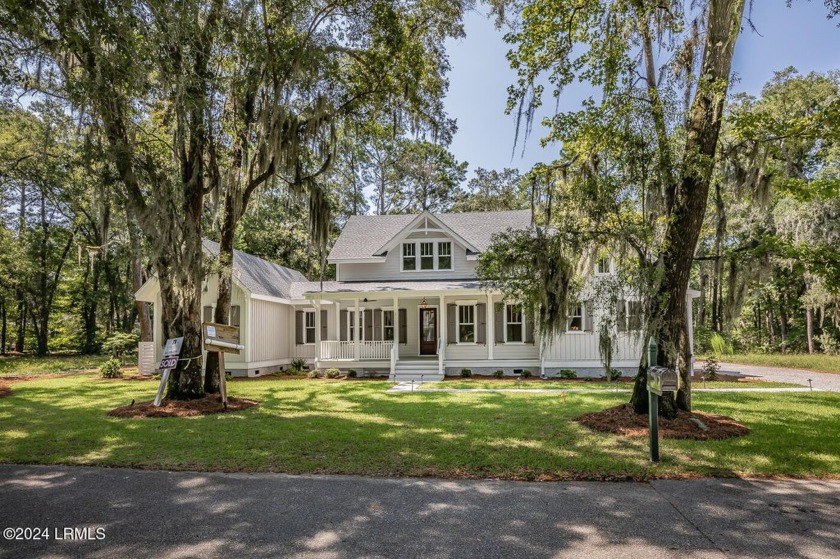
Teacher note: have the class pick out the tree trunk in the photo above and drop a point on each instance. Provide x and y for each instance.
(667, 323)
(809, 328)
(701, 305)
(20, 339)
(3, 326)
(144, 317)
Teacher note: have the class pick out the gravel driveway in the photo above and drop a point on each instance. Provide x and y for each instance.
(820, 381)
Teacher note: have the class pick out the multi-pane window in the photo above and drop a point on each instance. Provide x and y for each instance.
(603, 266)
(634, 315)
(388, 326)
(427, 256)
(575, 322)
(409, 256)
(444, 256)
(432, 255)
(309, 327)
(351, 325)
(234, 315)
(466, 324)
(513, 323)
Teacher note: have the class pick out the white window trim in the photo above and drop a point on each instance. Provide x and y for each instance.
(505, 322)
(627, 315)
(393, 327)
(611, 263)
(458, 305)
(307, 312)
(582, 321)
(351, 312)
(435, 255)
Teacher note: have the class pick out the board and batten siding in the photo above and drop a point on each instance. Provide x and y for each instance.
(582, 347)
(391, 269)
(269, 331)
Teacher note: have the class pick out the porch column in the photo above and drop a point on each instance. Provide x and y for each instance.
(491, 327)
(443, 324)
(338, 321)
(317, 305)
(357, 323)
(397, 326)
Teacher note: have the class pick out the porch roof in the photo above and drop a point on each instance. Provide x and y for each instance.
(308, 289)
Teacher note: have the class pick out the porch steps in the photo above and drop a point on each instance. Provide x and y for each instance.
(419, 371)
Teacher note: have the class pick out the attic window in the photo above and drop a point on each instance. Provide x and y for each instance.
(409, 257)
(432, 255)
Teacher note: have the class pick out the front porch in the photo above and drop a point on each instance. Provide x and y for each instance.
(410, 336)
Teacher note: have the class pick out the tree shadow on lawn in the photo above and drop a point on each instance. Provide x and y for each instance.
(373, 433)
(269, 516)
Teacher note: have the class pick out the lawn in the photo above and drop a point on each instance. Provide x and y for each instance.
(816, 362)
(30, 366)
(347, 427)
(590, 385)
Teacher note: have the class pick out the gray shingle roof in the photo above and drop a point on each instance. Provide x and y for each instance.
(301, 288)
(259, 276)
(363, 235)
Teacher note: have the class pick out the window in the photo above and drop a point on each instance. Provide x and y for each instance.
(513, 323)
(604, 266)
(207, 315)
(466, 324)
(409, 257)
(444, 256)
(634, 315)
(575, 318)
(432, 255)
(388, 326)
(427, 256)
(234, 315)
(309, 327)
(351, 325)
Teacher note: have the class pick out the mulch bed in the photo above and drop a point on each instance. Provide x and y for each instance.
(622, 420)
(183, 408)
(5, 390)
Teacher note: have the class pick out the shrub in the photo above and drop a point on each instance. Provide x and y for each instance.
(615, 374)
(298, 364)
(720, 346)
(711, 369)
(332, 373)
(228, 376)
(312, 374)
(527, 374)
(498, 373)
(111, 368)
(829, 344)
(120, 343)
(466, 373)
(567, 374)
(352, 374)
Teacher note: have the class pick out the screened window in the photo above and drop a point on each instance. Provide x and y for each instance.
(575, 318)
(466, 324)
(444, 256)
(513, 323)
(234, 315)
(207, 315)
(309, 327)
(388, 326)
(409, 256)
(427, 256)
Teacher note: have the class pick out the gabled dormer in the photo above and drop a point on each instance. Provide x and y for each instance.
(417, 247)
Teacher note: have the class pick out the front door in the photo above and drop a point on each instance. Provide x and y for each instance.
(428, 331)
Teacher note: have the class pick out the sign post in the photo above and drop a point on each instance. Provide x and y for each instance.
(171, 352)
(222, 339)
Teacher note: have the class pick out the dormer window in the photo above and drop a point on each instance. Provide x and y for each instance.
(432, 256)
(409, 256)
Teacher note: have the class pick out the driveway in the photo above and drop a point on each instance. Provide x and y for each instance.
(820, 381)
(165, 514)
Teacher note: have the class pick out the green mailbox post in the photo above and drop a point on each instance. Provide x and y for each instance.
(659, 380)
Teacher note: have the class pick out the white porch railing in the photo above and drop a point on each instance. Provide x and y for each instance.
(336, 350)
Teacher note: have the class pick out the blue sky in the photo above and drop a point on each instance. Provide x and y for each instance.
(799, 36)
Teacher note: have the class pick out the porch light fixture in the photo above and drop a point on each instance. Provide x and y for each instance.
(423, 303)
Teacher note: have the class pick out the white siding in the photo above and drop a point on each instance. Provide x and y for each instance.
(391, 269)
(576, 349)
(269, 331)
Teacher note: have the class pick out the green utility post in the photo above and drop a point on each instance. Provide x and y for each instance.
(653, 406)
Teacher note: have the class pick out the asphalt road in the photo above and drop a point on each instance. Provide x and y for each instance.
(165, 514)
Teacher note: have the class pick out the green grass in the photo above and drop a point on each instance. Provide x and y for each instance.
(590, 385)
(30, 366)
(358, 428)
(816, 362)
